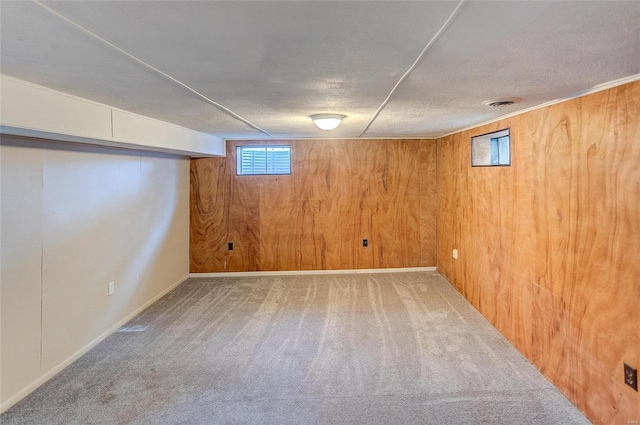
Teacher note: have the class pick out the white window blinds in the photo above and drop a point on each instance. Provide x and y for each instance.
(264, 160)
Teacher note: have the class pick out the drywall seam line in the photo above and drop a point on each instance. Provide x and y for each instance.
(75, 356)
(433, 40)
(151, 67)
(41, 267)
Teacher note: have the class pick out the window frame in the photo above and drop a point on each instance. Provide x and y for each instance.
(490, 137)
(239, 149)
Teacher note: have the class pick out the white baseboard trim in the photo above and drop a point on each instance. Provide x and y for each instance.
(310, 272)
(75, 356)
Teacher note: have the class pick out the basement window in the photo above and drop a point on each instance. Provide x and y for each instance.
(491, 150)
(258, 160)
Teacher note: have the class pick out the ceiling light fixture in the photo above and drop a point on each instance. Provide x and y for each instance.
(327, 121)
(505, 101)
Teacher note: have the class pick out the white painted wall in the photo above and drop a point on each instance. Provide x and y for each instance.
(74, 218)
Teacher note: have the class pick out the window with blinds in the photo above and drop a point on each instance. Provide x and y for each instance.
(254, 160)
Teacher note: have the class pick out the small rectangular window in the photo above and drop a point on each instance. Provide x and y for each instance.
(491, 149)
(254, 160)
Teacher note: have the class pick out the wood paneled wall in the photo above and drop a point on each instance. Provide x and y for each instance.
(549, 247)
(339, 193)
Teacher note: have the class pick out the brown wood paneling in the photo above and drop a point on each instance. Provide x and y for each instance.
(549, 246)
(339, 192)
(319, 181)
(428, 209)
(208, 222)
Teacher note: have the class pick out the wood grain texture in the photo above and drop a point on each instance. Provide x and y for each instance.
(339, 192)
(549, 246)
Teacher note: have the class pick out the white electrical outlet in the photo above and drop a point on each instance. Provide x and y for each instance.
(112, 288)
(455, 254)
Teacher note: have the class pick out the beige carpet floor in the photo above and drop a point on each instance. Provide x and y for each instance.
(396, 348)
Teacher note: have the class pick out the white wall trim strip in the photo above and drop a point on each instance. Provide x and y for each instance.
(75, 356)
(312, 272)
(594, 89)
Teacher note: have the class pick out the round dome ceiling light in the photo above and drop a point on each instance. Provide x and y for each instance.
(499, 103)
(327, 121)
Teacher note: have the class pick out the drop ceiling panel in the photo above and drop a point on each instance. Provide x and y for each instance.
(513, 57)
(40, 48)
(275, 63)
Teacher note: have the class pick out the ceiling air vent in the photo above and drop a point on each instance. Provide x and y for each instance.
(499, 103)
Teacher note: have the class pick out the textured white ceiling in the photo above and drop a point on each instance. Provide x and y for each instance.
(275, 63)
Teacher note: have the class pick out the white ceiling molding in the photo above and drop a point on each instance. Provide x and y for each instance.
(154, 69)
(34, 111)
(594, 89)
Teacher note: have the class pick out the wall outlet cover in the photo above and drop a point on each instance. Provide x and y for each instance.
(112, 288)
(631, 376)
